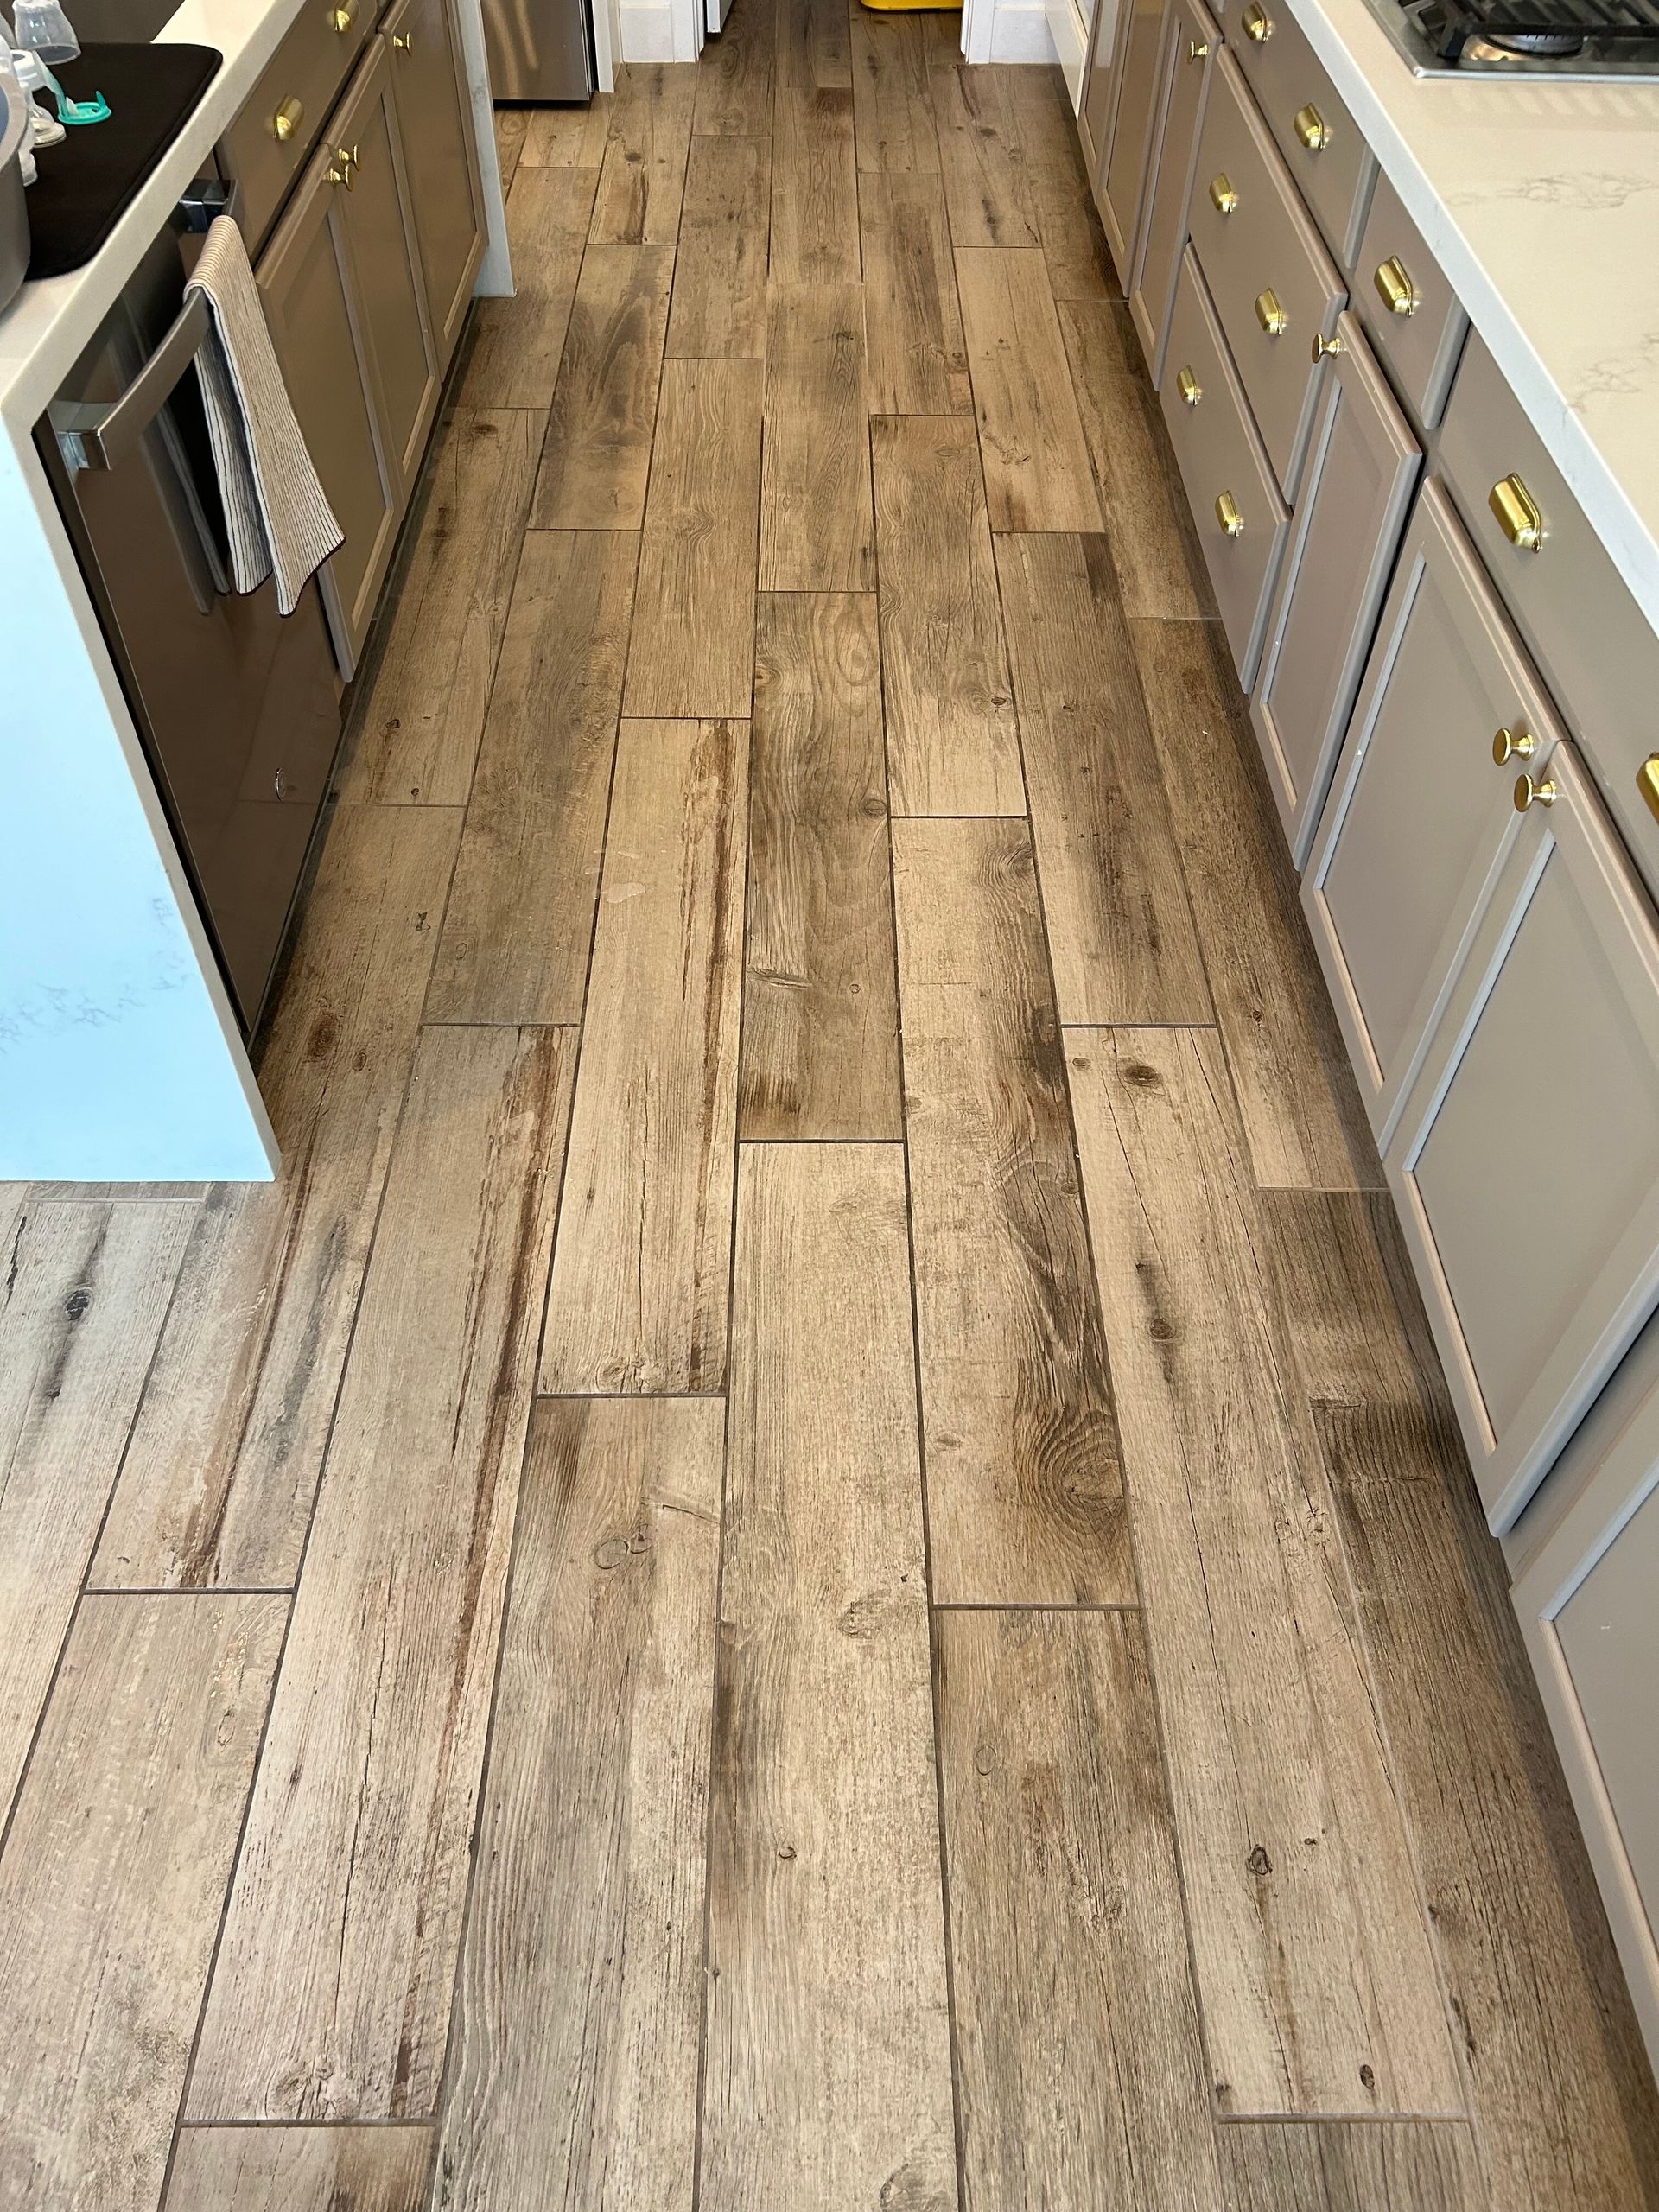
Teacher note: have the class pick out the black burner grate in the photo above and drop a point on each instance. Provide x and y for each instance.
(1596, 23)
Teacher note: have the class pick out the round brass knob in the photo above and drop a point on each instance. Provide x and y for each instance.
(1197, 50)
(1507, 746)
(1529, 794)
(1324, 346)
(402, 41)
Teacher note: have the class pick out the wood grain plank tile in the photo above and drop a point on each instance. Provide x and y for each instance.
(917, 358)
(511, 126)
(639, 1295)
(575, 2073)
(301, 2169)
(223, 1464)
(597, 453)
(1036, 469)
(818, 531)
(1399, 2166)
(692, 652)
(813, 43)
(953, 744)
(84, 1290)
(1083, 2077)
(1565, 2104)
(519, 924)
(643, 175)
(418, 738)
(1302, 1116)
(1154, 548)
(1317, 1980)
(330, 1998)
(516, 357)
(1119, 930)
(1057, 182)
(111, 1883)
(814, 188)
(1024, 1491)
(892, 105)
(827, 2078)
(820, 1019)
(566, 138)
(719, 276)
(985, 188)
(735, 76)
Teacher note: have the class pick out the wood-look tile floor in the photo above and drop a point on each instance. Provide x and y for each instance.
(811, 1559)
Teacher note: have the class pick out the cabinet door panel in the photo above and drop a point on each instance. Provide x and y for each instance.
(1099, 74)
(1526, 1158)
(306, 283)
(1362, 465)
(1189, 56)
(435, 120)
(1419, 817)
(1124, 179)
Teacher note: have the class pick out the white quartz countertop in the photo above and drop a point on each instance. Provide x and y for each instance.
(1539, 196)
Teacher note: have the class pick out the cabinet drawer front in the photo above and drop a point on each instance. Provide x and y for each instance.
(1569, 603)
(308, 68)
(1419, 816)
(1189, 60)
(1260, 249)
(1526, 1161)
(1220, 460)
(1363, 462)
(1419, 326)
(1333, 166)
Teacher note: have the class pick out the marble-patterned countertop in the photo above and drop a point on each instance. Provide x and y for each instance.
(1540, 197)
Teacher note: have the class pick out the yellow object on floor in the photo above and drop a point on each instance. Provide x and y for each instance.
(932, 7)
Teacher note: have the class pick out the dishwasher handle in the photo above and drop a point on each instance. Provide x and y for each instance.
(102, 434)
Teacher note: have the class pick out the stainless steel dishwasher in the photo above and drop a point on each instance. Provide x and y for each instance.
(239, 709)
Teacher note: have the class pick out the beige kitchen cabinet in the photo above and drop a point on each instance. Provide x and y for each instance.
(1190, 47)
(1585, 1597)
(1418, 820)
(1121, 191)
(1356, 484)
(1095, 107)
(434, 122)
(1524, 1160)
(344, 297)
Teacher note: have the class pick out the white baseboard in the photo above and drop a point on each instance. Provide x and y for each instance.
(1066, 27)
(647, 34)
(1022, 33)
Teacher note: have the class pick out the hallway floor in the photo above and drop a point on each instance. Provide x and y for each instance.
(812, 1557)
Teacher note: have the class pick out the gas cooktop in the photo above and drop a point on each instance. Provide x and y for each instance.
(1525, 38)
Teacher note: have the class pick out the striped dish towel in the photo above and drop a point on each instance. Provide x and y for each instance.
(276, 513)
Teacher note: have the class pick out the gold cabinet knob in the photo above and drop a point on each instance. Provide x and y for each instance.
(346, 165)
(1258, 23)
(339, 176)
(1518, 513)
(1647, 782)
(1228, 516)
(1395, 287)
(1311, 129)
(1197, 50)
(287, 120)
(1268, 313)
(402, 41)
(1223, 198)
(1189, 387)
(1529, 794)
(1324, 346)
(342, 17)
(1509, 745)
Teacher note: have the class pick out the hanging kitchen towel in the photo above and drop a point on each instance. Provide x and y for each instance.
(275, 512)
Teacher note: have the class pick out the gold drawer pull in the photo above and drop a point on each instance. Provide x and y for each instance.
(1311, 129)
(343, 16)
(1258, 23)
(287, 120)
(1268, 313)
(1324, 346)
(1197, 50)
(1395, 287)
(1228, 516)
(402, 41)
(1647, 782)
(1189, 387)
(349, 163)
(1529, 794)
(1518, 513)
(1223, 198)
(1507, 746)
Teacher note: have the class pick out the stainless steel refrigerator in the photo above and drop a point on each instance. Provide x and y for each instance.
(539, 50)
